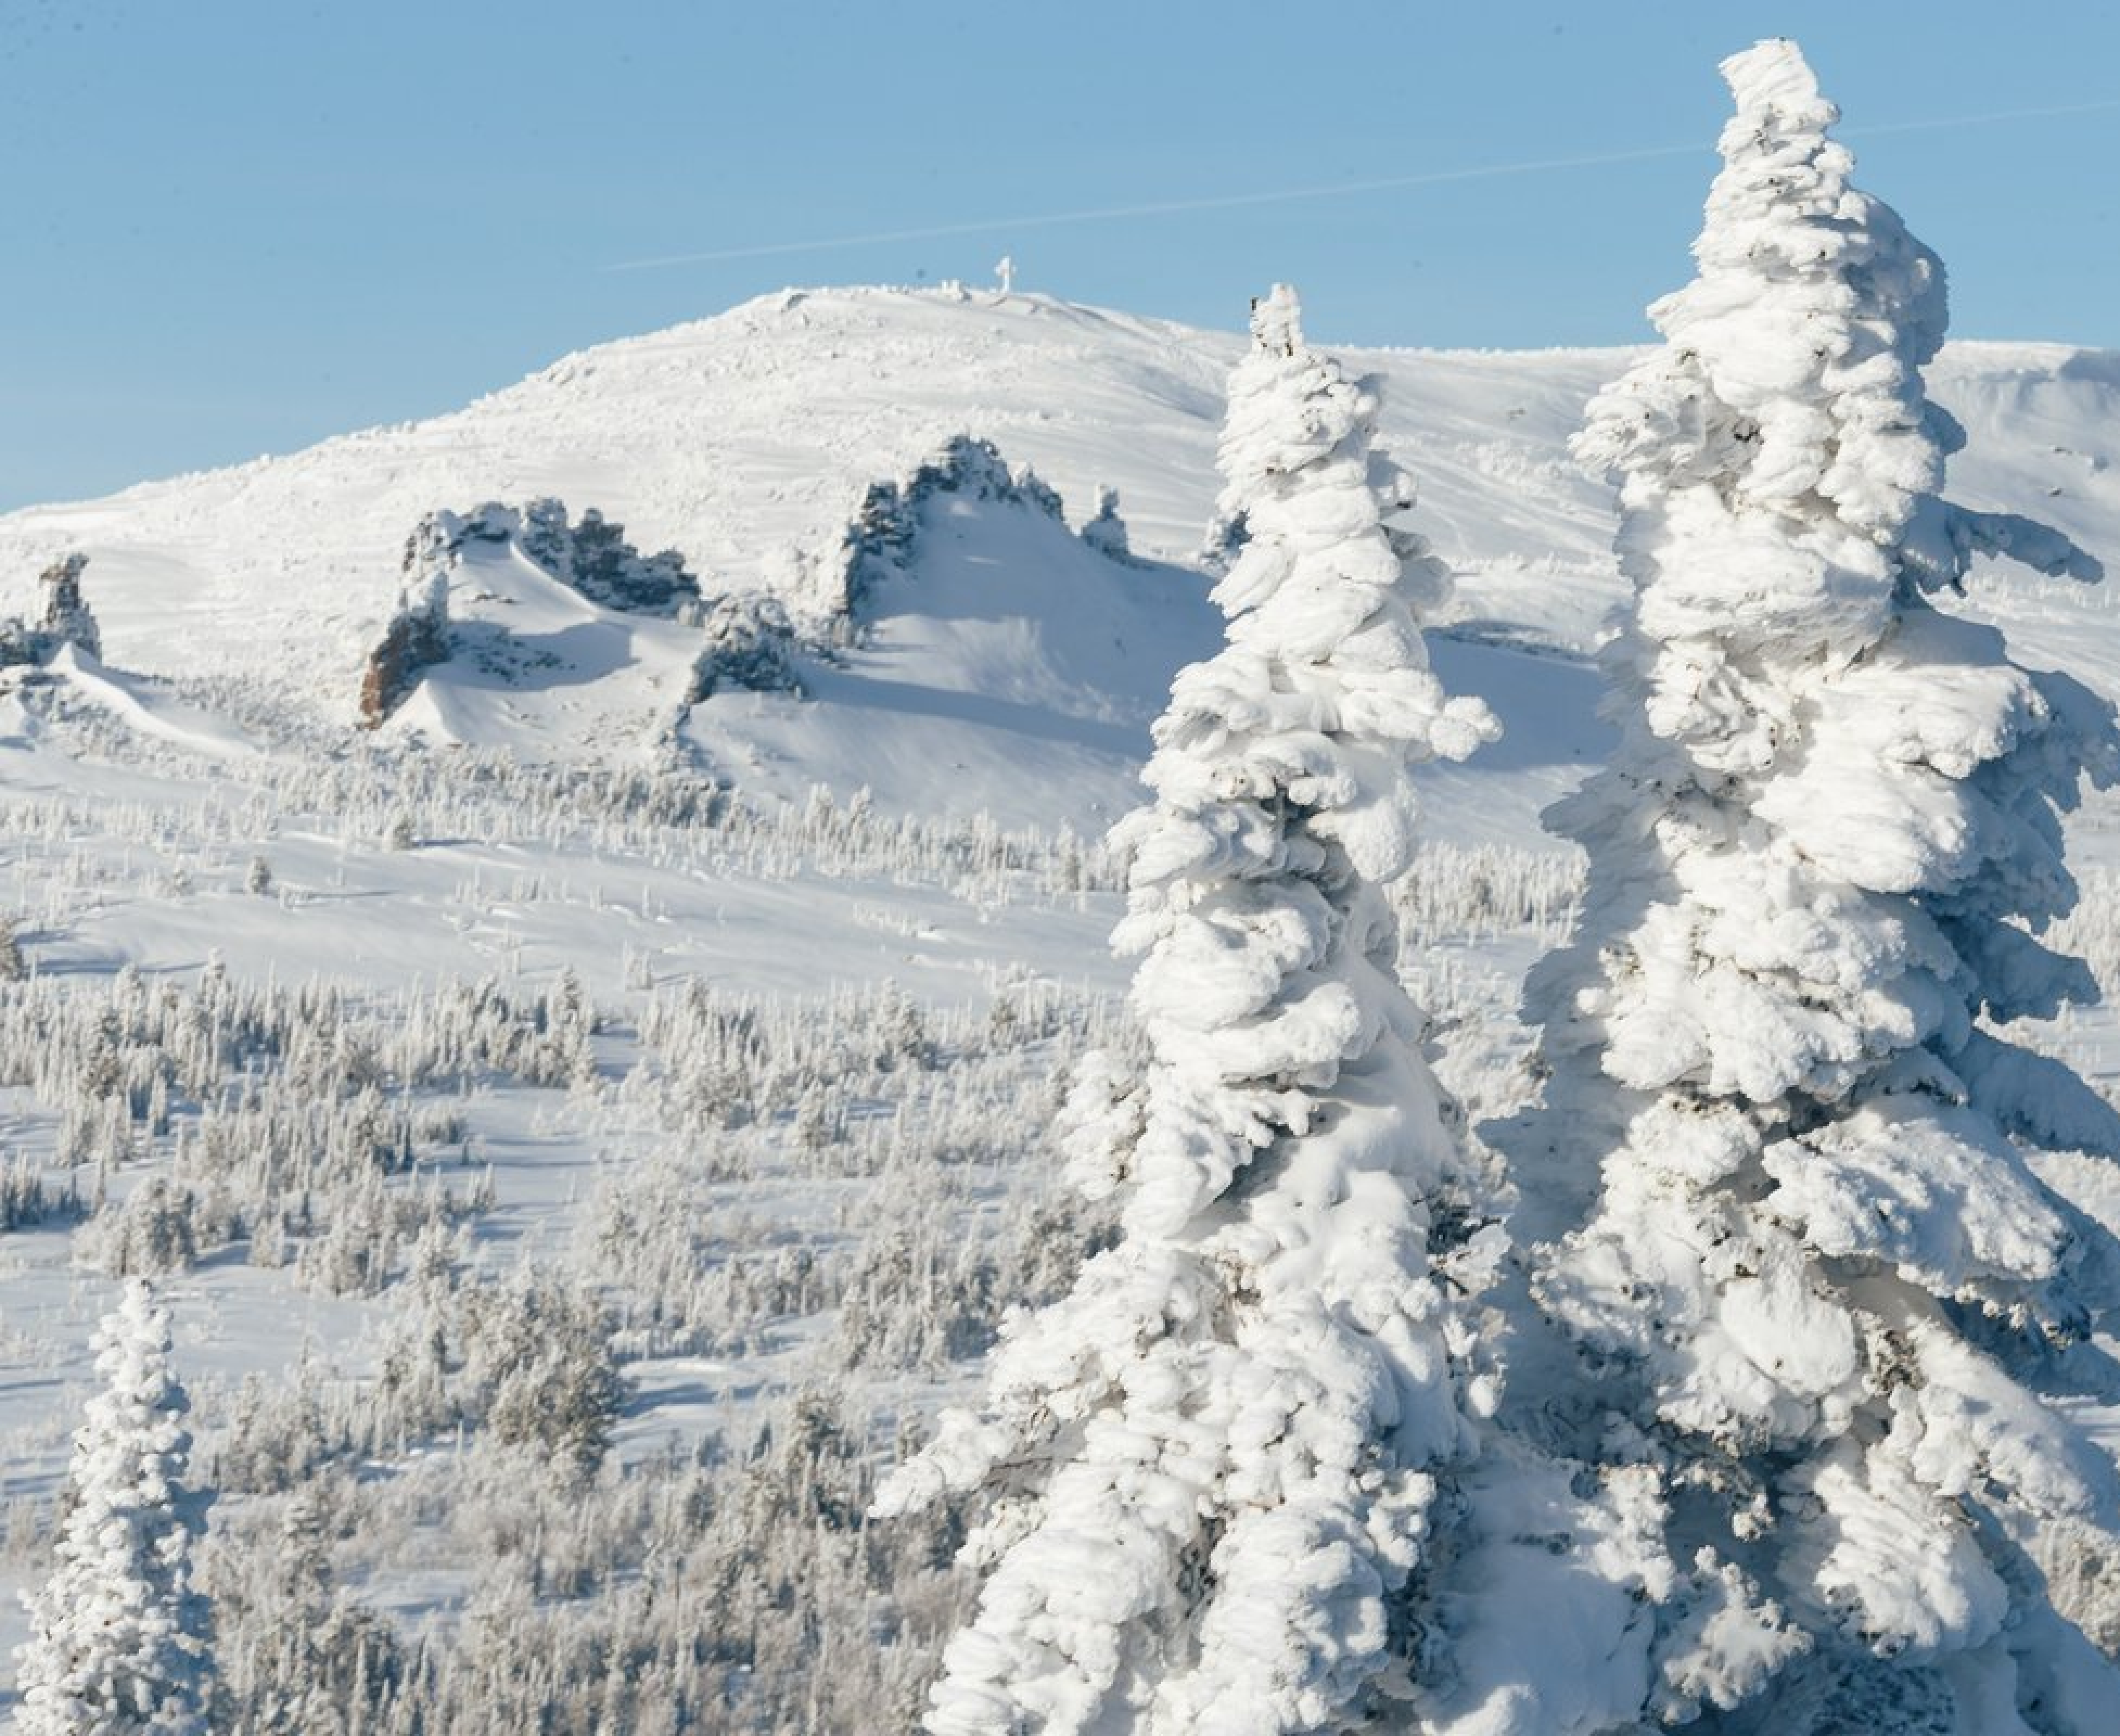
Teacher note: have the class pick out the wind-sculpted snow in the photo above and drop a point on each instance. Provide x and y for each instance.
(1817, 1272)
(587, 1126)
(1214, 1464)
(969, 649)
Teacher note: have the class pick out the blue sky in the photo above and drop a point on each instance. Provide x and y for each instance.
(240, 225)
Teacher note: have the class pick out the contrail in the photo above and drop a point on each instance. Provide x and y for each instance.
(1981, 120)
(1338, 190)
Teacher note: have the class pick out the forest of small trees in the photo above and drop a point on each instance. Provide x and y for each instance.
(1723, 1356)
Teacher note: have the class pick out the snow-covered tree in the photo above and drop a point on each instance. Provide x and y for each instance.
(1814, 1258)
(750, 645)
(1213, 1465)
(118, 1642)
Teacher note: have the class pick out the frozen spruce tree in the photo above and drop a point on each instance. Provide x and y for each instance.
(1213, 1467)
(1819, 1273)
(118, 1638)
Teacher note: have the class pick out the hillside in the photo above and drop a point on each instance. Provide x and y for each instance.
(743, 1014)
(746, 442)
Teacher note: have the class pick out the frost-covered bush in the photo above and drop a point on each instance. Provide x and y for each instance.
(1105, 531)
(155, 1232)
(1824, 1294)
(1212, 1466)
(27, 1198)
(537, 1359)
(301, 1653)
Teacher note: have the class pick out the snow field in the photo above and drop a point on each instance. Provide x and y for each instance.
(576, 1182)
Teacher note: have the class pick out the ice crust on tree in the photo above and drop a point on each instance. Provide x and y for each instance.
(1213, 1466)
(117, 1640)
(1819, 1284)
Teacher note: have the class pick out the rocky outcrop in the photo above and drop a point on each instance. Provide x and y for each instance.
(593, 556)
(67, 619)
(418, 635)
(879, 538)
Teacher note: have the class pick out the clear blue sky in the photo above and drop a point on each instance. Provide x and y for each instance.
(240, 225)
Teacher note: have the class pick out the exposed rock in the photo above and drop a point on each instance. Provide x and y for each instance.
(593, 556)
(67, 619)
(417, 637)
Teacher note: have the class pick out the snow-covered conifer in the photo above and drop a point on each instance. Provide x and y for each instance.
(750, 645)
(1213, 1464)
(1822, 1285)
(118, 1640)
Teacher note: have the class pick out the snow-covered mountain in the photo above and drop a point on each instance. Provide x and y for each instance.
(747, 444)
(568, 970)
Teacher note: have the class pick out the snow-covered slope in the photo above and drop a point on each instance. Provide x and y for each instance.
(511, 843)
(542, 670)
(1010, 658)
(748, 441)
(745, 441)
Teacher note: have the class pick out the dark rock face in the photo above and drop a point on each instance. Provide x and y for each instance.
(418, 636)
(593, 556)
(607, 569)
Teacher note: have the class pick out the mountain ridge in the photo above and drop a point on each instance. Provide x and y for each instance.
(747, 441)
